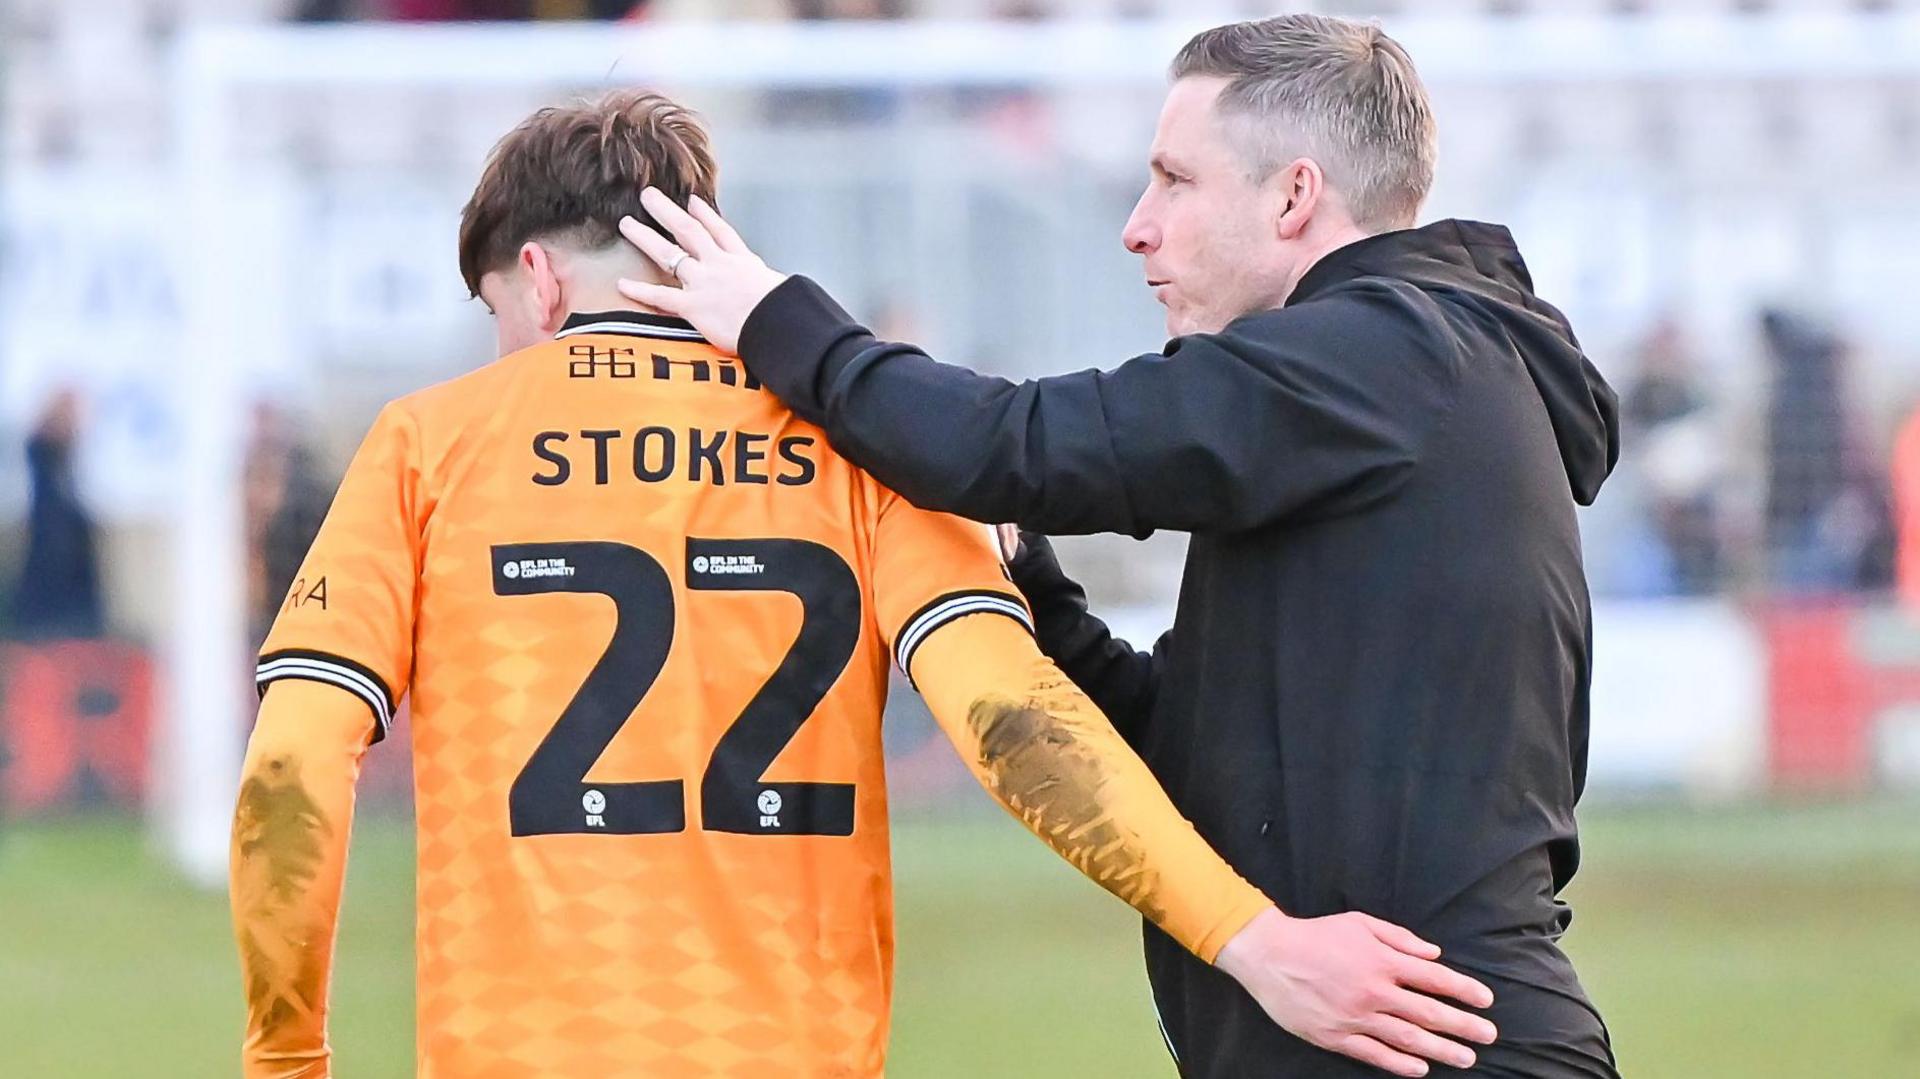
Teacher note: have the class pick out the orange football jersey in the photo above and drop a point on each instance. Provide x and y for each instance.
(645, 615)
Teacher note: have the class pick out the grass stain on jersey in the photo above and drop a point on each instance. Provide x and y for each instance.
(1052, 778)
(280, 827)
(285, 991)
(277, 833)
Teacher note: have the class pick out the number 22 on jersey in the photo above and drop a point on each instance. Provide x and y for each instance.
(551, 796)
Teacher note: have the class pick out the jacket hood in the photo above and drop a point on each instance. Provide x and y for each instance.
(1479, 265)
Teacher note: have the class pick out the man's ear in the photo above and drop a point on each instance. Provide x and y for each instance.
(1301, 185)
(550, 304)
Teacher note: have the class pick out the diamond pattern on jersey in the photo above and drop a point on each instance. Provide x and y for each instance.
(597, 956)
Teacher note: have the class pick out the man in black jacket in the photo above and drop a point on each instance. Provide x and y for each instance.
(58, 595)
(1374, 696)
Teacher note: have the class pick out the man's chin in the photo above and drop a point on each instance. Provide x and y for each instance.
(1182, 325)
(1189, 323)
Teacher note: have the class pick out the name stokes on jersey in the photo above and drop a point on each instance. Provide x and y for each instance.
(656, 454)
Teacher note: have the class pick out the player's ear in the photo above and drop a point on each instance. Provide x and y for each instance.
(549, 304)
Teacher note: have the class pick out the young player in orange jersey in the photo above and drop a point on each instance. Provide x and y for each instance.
(645, 615)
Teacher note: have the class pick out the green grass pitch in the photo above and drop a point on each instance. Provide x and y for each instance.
(1738, 943)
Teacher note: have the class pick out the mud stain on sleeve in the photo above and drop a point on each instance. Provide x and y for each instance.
(278, 834)
(1054, 780)
(280, 828)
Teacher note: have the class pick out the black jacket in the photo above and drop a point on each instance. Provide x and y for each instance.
(1374, 695)
(59, 591)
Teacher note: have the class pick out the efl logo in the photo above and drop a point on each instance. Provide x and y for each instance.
(728, 563)
(595, 803)
(536, 567)
(769, 809)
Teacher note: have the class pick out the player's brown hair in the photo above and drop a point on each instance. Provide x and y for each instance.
(569, 173)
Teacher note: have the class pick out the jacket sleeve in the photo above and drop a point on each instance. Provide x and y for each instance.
(1315, 409)
(1123, 682)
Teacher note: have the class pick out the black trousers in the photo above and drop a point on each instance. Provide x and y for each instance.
(1217, 1031)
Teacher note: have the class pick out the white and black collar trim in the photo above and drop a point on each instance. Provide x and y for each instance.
(629, 324)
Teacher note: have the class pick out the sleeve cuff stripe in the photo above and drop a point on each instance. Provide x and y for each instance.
(328, 659)
(334, 674)
(944, 611)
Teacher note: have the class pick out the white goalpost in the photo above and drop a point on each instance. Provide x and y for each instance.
(261, 113)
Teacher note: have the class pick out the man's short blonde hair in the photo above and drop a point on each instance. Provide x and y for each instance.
(1340, 92)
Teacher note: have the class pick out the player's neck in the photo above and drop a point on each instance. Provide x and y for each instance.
(589, 280)
(595, 296)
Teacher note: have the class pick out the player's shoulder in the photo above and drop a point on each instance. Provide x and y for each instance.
(463, 392)
(409, 426)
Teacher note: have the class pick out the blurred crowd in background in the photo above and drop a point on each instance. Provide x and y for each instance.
(514, 10)
(1800, 496)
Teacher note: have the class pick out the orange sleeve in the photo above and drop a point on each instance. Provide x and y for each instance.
(1034, 741)
(290, 830)
(347, 621)
(931, 568)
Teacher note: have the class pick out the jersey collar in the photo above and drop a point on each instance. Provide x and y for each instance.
(629, 324)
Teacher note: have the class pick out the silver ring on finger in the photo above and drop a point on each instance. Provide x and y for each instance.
(673, 268)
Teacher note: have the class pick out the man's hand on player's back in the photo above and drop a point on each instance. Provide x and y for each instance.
(1358, 986)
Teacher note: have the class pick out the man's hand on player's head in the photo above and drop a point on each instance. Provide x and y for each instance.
(1361, 987)
(721, 280)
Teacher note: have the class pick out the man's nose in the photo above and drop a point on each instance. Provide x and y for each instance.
(1141, 235)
